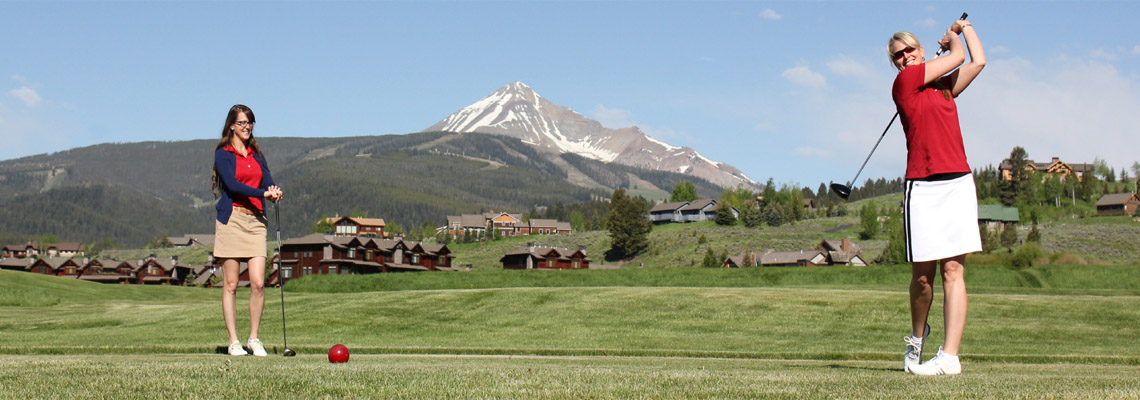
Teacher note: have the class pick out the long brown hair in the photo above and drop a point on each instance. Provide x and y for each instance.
(228, 136)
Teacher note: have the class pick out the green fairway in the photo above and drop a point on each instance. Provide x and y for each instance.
(1065, 332)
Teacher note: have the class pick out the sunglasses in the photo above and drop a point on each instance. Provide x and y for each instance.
(898, 54)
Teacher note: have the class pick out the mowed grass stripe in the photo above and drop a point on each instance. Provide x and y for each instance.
(431, 377)
(766, 323)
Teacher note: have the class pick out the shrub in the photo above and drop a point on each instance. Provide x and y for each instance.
(1027, 255)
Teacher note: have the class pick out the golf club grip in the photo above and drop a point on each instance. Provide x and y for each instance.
(939, 52)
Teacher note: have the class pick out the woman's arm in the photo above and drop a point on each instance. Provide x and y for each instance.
(941, 66)
(226, 165)
(962, 78)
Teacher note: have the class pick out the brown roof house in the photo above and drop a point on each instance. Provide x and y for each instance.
(829, 252)
(1054, 167)
(65, 249)
(536, 257)
(318, 254)
(1118, 204)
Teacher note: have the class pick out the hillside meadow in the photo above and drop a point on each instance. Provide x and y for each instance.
(1049, 332)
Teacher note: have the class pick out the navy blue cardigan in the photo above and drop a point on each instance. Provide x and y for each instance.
(226, 164)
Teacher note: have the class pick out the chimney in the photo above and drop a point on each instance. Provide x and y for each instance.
(173, 260)
(846, 246)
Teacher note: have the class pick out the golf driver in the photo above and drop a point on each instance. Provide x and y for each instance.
(281, 279)
(845, 190)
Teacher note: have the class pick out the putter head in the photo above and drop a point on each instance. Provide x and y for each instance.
(842, 191)
(289, 352)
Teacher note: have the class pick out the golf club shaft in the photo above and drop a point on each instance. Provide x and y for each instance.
(852, 182)
(280, 272)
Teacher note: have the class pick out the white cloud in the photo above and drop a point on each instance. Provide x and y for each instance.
(1136, 50)
(846, 66)
(27, 95)
(1068, 108)
(613, 118)
(771, 15)
(1102, 54)
(928, 23)
(804, 76)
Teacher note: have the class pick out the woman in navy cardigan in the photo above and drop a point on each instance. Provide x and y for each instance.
(241, 183)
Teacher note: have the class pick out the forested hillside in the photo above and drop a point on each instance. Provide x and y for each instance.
(133, 193)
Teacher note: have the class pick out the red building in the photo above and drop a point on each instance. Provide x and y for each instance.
(331, 255)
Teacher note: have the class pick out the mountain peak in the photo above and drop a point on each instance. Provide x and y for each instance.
(516, 110)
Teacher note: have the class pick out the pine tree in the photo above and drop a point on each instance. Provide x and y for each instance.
(869, 221)
(710, 260)
(683, 191)
(628, 227)
(724, 215)
(1009, 236)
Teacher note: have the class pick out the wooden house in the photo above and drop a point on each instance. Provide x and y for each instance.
(842, 252)
(359, 226)
(192, 240)
(686, 211)
(21, 251)
(107, 271)
(16, 264)
(1118, 204)
(1053, 167)
(65, 249)
(535, 257)
(331, 255)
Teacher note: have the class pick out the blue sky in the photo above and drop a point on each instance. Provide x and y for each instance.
(796, 91)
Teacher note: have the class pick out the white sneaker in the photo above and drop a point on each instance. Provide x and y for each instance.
(236, 350)
(913, 355)
(255, 346)
(941, 364)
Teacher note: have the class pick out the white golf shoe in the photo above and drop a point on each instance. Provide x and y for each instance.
(913, 355)
(256, 347)
(236, 350)
(941, 364)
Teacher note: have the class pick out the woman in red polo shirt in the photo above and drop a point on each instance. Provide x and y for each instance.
(940, 204)
(241, 182)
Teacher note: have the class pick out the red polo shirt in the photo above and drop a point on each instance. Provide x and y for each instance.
(933, 137)
(248, 171)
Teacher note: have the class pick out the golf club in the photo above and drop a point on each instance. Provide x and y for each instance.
(844, 191)
(281, 280)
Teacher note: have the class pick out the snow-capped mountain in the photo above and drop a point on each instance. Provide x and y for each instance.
(516, 110)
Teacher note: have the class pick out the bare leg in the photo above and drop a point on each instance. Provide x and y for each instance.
(229, 296)
(955, 303)
(256, 294)
(921, 295)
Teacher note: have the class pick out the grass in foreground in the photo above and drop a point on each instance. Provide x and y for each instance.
(439, 377)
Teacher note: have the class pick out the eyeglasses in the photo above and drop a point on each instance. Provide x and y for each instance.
(244, 123)
(898, 54)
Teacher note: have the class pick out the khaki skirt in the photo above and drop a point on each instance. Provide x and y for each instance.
(242, 237)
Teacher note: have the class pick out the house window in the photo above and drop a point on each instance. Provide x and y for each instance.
(69, 270)
(332, 270)
(351, 253)
(307, 271)
(577, 263)
(550, 263)
(415, 258)
(287, 272)
(152, 270)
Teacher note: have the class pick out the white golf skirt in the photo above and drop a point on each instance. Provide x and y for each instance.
(941, 218)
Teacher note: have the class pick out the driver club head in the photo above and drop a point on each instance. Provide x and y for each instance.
(289, 352)
(842, 191)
